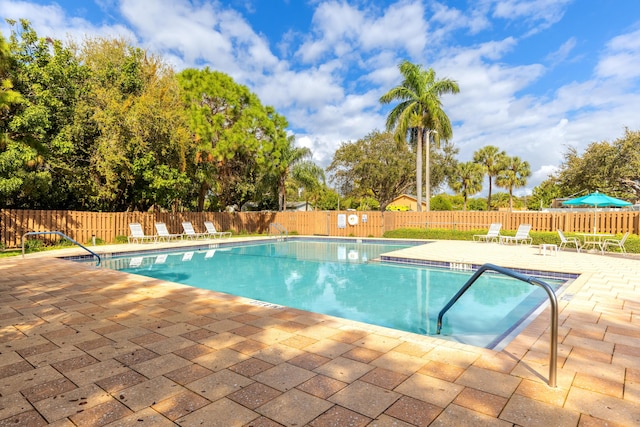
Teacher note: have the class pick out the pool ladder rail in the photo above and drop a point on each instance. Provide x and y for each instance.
(61, 234)
(280, 228)
(553, 356)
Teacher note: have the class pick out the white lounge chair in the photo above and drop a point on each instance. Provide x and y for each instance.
(493, 235)
(163, 233)
(190, 233)
(137, 234)
(564, 241)
(211, 230)
(522, 235)
(616, 243)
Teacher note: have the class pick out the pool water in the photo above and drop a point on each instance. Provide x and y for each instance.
(340, 279)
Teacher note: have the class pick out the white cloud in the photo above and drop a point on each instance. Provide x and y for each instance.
(563, 52)
(449, 19)
(622, 59)
(401, 27)
(344, 31)
(52, 21)
(201, 33)
(543, 13)
(307, 90)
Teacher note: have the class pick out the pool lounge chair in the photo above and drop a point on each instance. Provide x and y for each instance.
(163, 233)
(137, 234)
(211, 230)
(564, 241)
(190, 233)
(616, 243)
(493, 235)
(522, 236)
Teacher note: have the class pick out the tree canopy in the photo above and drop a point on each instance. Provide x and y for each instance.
(104, 125)
(467, 180)
(491, 159)
(513, 174)
(609, 167)
(242, 146)
(377, 163)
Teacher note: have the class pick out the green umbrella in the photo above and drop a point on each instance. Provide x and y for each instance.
(596, 200)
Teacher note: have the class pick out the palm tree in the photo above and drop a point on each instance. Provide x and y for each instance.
(467, 180)
(490, 158)
(420, 113)
(513, 174)
(309, 176)
(290, 156)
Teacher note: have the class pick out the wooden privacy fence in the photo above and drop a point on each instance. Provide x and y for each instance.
(81, 226)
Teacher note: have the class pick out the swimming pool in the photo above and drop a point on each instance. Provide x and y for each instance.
(340, 279)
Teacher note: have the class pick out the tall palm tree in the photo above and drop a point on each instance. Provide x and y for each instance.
(290, 156)
(467, 180)
(420, 113)
(513, 174)
(490, 158)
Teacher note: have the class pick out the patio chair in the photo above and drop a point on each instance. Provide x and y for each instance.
(522, 236)
(163, 233)
(616, 243)
(137, 234)
(564, 241)
(493, 235)
(190, 233)
(211, 230)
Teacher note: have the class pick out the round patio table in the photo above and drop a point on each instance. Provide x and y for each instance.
(594, 240)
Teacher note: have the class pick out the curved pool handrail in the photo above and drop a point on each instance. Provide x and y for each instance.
(279, 227)
(61, 234)
(532, 281)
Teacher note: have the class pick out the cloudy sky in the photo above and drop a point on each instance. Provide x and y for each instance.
(535, 76)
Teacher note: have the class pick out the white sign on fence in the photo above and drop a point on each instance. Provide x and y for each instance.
(342, 221)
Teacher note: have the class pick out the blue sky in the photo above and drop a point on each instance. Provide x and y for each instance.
(535, 76)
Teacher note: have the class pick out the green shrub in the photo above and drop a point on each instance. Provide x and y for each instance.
(441, 202)
(32, 245)
(99, 241)
(121, 239)
(64, 242)
(398, 208)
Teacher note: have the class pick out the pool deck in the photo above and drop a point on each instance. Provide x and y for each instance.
(90, 347)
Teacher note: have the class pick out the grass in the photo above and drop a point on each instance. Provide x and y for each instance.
(10, 252)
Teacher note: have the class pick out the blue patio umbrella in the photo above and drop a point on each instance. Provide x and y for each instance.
(596, 200)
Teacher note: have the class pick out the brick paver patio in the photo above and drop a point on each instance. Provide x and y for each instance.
(90, 347)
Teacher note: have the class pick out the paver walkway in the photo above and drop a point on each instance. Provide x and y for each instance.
(89, 347)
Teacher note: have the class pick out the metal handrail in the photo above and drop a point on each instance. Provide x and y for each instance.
(553, 356)
(279, 227)
(61, 234)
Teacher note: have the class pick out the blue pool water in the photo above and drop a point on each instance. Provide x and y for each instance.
(340, 279)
